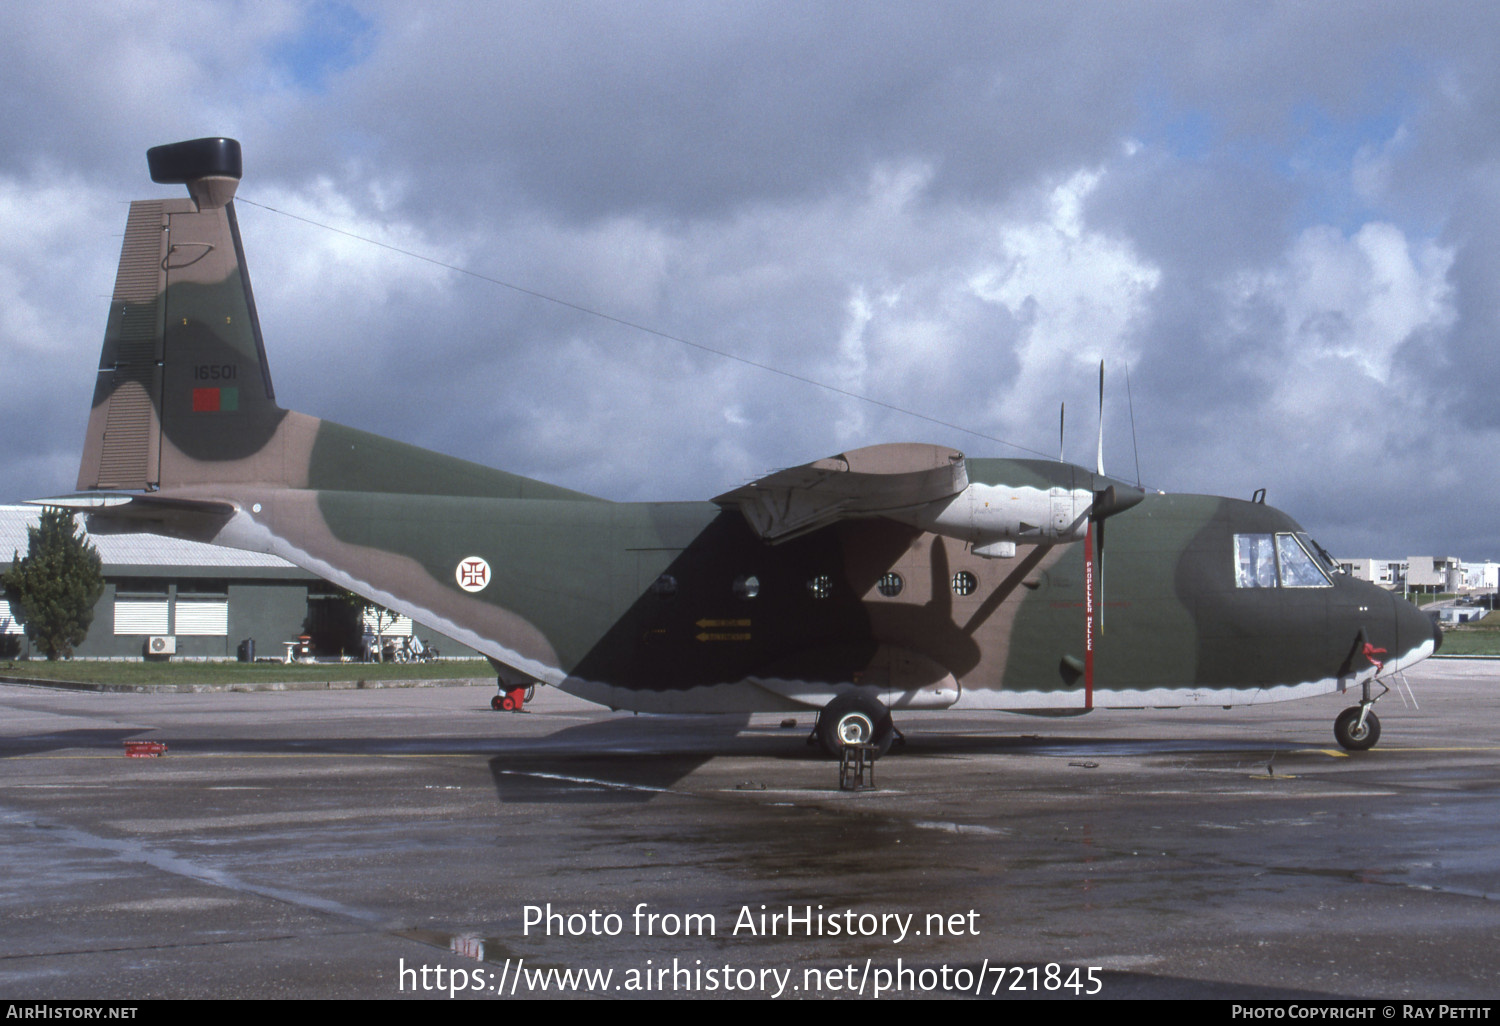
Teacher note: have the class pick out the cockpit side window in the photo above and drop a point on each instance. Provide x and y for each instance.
(1255, 561)
(1320, 555)
(1298, 568)
(1261, 560)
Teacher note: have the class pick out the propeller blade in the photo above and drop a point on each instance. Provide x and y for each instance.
(1099, 465)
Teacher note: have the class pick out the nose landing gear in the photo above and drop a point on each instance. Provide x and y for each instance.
(1357, 728)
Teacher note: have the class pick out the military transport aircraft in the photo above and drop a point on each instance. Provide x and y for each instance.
(893, 577)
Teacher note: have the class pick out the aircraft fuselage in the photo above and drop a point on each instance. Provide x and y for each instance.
(680, 606)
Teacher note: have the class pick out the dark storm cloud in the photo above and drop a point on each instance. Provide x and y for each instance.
(691, 109)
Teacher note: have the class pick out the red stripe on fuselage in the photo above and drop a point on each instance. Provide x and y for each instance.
(1088, 616)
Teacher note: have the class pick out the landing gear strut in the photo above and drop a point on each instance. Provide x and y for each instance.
(854, 719)
(1357, 727)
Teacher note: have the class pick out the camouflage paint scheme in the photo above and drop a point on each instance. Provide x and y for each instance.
(646, 606)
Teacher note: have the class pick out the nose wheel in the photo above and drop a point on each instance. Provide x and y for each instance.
(1357, 728)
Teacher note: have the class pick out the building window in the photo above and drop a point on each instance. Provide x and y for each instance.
(386, 624)
(8, 624)
(141, 607)
(141, 616)
(202, 609)
(203, 617)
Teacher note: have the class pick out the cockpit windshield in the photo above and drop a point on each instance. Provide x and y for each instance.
(1269, 561)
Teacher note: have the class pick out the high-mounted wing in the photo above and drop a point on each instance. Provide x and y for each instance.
(874, 481)
(929, 487)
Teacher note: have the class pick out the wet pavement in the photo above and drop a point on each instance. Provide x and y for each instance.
(354, 843)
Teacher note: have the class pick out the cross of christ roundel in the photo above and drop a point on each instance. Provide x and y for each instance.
(472, 573)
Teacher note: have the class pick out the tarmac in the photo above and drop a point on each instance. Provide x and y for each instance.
(414, 843)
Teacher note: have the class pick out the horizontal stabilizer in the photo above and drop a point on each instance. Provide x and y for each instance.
(122, 512)
(865, 482)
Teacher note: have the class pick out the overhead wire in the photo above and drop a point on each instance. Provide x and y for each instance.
(636, 326)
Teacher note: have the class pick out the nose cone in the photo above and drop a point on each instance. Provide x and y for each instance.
(1415, 631)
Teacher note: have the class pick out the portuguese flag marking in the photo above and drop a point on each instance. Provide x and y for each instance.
(215, 400)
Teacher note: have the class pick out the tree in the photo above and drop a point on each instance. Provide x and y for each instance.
(383, 620)
(54, 589)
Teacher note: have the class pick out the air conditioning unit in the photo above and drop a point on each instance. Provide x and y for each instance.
(162, 644)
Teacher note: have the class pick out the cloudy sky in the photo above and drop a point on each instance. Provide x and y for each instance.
(1284, 218)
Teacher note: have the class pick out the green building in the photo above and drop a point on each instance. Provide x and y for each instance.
(188, 600)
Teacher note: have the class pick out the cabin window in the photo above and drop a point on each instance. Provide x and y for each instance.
(746, 586)
(664, 586)
(890, 584)
(820, 587)
(1261, 560)
(964, 583)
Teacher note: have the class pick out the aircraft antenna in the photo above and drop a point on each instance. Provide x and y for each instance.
(635, 326)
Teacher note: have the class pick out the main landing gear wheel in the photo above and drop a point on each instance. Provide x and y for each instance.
(1351, 735)
(854, 719)
(512, 700)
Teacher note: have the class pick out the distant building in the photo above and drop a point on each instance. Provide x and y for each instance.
(1482, 576)
(202, 601)
(1384, 572)
(1427, 574)
(1433, 574)
(1461, 614)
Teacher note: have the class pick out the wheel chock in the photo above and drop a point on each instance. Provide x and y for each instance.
(857, 767)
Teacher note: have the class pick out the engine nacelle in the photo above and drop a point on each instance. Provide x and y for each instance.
(982, 514)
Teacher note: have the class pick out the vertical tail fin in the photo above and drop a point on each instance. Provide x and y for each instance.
(183, 400)
(182, 377)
